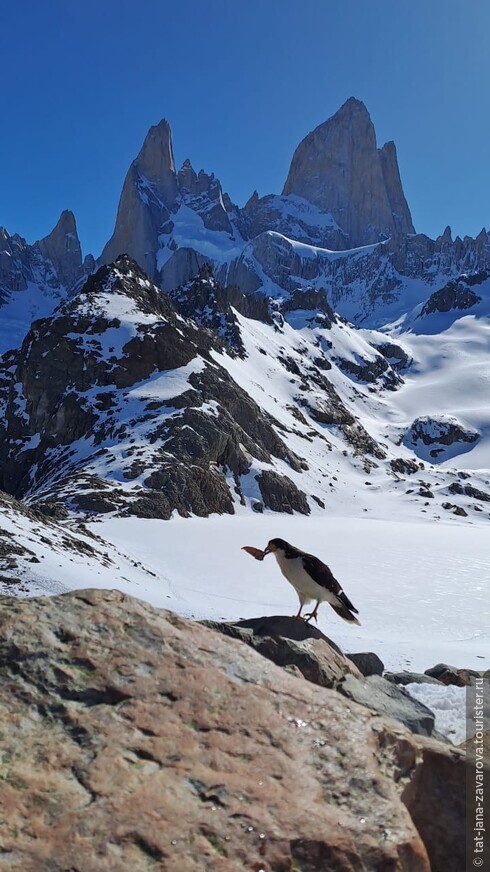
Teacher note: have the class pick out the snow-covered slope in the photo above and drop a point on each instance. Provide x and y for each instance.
(420, 588)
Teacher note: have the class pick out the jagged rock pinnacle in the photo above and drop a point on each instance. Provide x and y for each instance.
(339, 169)
(62, 247)
(156, 161)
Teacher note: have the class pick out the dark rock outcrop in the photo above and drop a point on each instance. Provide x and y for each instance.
(280, 494)
(430, 436)
(452, 296)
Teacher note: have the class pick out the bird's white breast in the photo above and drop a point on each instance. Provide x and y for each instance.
(293, 570)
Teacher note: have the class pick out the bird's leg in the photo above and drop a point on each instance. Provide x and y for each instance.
(313, 614)
(299, 615)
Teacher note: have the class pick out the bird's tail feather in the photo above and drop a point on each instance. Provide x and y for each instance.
(344, 613)
(346, 601)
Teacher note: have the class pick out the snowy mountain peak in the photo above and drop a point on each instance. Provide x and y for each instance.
(34, 278)
(62, 248)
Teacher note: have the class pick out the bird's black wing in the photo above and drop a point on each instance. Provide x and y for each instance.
(324, 576)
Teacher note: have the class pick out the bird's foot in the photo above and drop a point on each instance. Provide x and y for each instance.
(298, 617)
(307, 618)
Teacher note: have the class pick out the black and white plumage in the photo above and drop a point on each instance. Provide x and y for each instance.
(312, 580)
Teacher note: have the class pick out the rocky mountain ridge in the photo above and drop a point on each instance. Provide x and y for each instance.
(123, 405)
(132, 401)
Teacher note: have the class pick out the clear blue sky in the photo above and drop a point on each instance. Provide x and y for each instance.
(241, 84)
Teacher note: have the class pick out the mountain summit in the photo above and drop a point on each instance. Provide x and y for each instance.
(339, 169)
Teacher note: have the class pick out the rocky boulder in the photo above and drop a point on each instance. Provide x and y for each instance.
(295, 645)
(406, 677)
(451, 675)
(387, 699)
(367, 662)
(134, 739)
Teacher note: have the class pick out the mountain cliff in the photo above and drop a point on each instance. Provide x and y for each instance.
(161, 211)
(339, 169)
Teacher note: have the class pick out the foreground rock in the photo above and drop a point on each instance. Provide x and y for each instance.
(294, 645)
(305, 650)
(133, 739)
(387, 699)
(406, 677)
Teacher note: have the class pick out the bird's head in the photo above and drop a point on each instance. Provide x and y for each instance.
(275, 545)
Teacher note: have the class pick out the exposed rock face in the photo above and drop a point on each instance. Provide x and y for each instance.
(206, 758)
(148, 193)
(156, 164)
(339, 169)
(87, 380)
(280, 494)
(400, 212)
(62, 248)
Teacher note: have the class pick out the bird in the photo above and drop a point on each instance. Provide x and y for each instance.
(312, 580)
